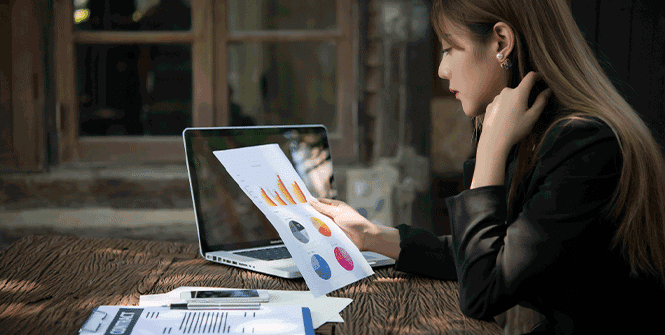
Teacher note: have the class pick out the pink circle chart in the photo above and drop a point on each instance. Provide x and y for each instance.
(344, 259)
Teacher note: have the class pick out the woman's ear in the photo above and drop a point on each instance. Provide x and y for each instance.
(503, 39)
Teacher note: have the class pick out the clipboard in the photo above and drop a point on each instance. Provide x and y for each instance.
(133, 320)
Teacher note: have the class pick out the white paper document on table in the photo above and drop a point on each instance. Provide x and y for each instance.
(132, 320)
(323, 309)
(325, 256)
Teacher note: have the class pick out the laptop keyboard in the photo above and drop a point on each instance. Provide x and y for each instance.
(267, 254)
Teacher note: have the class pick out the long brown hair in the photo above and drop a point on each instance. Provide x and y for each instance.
(547, 40)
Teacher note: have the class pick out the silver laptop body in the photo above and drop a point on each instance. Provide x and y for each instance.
(231, 229)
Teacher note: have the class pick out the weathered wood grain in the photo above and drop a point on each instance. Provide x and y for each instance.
(50, 285)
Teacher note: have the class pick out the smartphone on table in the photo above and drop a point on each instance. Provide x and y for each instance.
(225, 296)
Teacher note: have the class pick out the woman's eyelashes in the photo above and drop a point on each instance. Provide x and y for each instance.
(445, 52)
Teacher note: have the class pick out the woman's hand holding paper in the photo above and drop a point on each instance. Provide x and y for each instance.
(354, 225)
(366, 235)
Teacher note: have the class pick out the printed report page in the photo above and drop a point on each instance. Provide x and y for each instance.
(325, 256)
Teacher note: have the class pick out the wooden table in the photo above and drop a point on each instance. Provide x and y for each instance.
(50, 285)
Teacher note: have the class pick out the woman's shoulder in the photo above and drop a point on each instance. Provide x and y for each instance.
(581, 123)
(589, 138)
(577, 131)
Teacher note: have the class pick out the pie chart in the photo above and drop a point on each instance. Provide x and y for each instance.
(299, 231)
(343, 258)
(321, 267)
(321, 227)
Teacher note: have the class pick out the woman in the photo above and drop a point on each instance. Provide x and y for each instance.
(565, 210)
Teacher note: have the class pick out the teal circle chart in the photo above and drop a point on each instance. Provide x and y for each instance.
(299, 231)
(321, 267)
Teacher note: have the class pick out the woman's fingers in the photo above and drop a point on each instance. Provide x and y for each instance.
(540, 103)
(328, 201)
(526, 85)
(326, 207)
(320, 206)
(352, 224)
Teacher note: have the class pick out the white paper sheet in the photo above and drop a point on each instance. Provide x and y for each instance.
(325, 256)
(324, 309)
(125, 320)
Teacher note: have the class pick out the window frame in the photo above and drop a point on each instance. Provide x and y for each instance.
(208, 38)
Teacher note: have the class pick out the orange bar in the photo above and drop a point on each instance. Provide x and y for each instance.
(281, 202)
(285, 192)
(299, 194)
(267, 198)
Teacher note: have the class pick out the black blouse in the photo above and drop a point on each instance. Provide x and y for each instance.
(554, 255)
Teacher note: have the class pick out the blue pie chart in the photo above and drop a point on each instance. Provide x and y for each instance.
(321, 267)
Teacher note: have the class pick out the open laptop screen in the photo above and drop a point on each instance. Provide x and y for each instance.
(226, 218)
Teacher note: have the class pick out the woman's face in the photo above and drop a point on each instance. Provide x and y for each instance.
(474, 73)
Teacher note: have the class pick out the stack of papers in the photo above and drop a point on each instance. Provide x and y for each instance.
(323, 309)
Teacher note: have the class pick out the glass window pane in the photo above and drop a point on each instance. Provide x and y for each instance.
(134, 89)
(281, 14)
(151, 15)
(283, 83)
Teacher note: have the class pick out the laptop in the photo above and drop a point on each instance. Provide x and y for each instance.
(231, 229)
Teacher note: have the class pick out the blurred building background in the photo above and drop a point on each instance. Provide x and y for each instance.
(94, 95)
(98, 92)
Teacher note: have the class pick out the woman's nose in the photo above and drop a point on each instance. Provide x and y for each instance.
(444, 70)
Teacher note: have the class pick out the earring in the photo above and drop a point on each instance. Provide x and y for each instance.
(507, 64)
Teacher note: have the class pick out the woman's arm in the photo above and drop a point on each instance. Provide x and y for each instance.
(384, 240)
(507, 120)
(556, 234)
(416, 250)
(490, 167)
